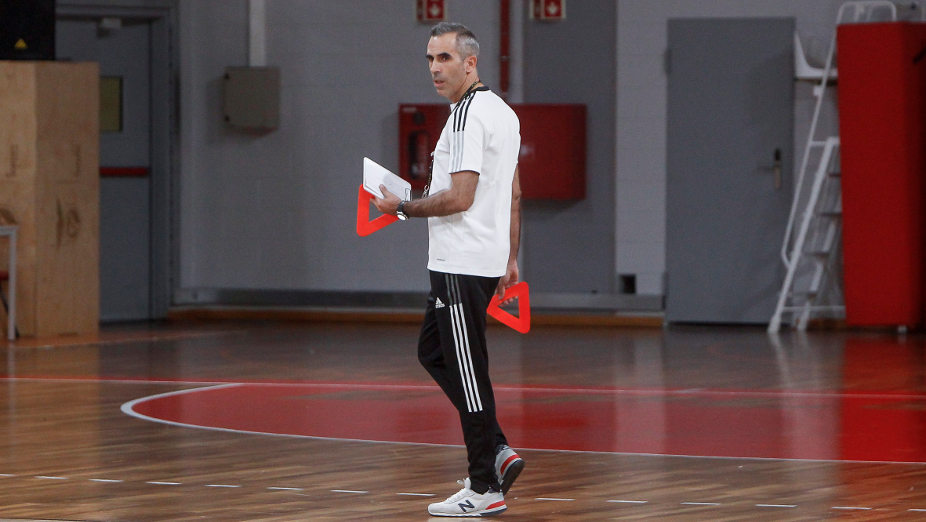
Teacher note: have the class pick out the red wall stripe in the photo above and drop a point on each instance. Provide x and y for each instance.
(124, 172)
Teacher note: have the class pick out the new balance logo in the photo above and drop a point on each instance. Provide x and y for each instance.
(467, 504)
(438, 303)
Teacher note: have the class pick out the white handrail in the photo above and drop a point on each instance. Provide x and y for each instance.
(862, 6)
(811, 143)
(802, 69)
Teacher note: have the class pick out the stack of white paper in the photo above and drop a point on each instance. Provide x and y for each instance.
(375, 175)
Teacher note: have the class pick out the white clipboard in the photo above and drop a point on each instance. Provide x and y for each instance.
(375, 175)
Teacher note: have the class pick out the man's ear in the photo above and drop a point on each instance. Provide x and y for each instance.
(471, 64)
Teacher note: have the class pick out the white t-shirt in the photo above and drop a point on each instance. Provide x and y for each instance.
(483, 135)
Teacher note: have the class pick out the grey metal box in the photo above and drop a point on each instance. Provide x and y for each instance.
(252, 97)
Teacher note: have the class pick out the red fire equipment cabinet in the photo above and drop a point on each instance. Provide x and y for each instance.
(551, 161)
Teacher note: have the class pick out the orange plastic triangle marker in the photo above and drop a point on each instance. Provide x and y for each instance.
(521, 322)
(366, 226)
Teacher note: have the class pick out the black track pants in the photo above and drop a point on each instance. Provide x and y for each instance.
(452, 348)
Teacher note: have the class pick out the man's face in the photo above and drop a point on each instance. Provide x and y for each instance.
(448, 69)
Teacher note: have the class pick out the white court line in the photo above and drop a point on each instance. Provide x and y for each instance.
(549, 499)
(690, 392)
(128, 409)
(522, 389)
(87, 380)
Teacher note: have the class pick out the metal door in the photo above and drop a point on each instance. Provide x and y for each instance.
(122, 48)
(729, 162)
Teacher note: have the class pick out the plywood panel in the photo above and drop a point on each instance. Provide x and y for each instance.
(49, 146)
(18, 133)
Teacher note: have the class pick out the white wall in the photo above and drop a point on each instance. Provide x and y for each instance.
(641, 112)
(568, 245)
(277, 211)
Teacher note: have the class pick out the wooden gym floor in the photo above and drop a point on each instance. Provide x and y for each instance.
(262, 420)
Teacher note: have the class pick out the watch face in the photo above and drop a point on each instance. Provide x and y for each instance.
(401, 215)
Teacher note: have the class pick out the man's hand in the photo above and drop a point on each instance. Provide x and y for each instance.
(507, 281)
(388, 204)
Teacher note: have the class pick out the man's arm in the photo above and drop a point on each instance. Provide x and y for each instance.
(512, 273)
(457, 198)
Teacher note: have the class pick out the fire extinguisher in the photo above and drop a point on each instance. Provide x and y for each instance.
(419, 146)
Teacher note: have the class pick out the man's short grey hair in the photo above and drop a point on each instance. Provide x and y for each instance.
(467, 45)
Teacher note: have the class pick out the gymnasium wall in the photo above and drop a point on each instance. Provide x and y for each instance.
(276, 211)
(569, 246)
(640, 196)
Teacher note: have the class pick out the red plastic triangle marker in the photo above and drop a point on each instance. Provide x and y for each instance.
(366, 226)
(521, 322)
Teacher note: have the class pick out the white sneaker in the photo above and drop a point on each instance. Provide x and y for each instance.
(468, 503)
(508, 466)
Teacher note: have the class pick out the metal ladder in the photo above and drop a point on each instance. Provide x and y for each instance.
(812, 241)
(816, 242)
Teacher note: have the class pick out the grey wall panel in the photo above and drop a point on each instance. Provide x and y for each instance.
(569, 247)
(277, 210)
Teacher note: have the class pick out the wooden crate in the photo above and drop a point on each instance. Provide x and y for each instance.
(49, 182)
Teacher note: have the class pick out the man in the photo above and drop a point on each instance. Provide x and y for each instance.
(473, 205)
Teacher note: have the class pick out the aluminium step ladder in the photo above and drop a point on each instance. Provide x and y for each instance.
(815, 248)
(812, 244)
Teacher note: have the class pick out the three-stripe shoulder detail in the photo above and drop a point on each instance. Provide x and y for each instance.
(459, 115)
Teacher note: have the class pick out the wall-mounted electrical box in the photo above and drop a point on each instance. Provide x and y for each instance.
(251, 97)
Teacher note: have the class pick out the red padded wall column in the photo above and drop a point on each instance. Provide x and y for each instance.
(882, 119)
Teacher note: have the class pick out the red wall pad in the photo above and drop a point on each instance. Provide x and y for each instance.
(882, 119)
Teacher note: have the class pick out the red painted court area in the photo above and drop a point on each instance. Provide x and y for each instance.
(888, 427)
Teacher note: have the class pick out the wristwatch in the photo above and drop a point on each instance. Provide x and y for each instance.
(400, 211)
